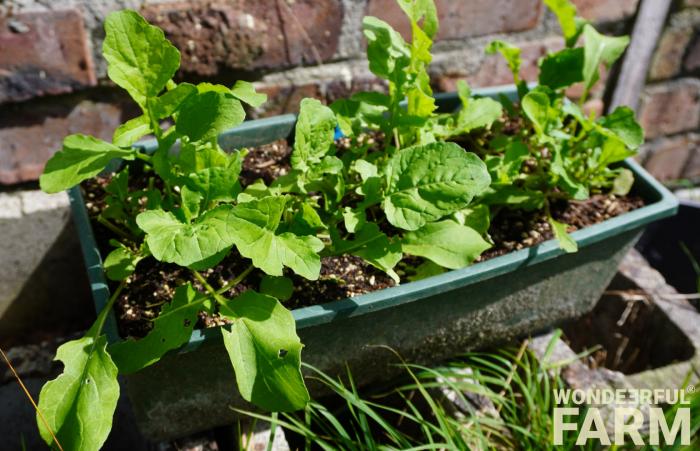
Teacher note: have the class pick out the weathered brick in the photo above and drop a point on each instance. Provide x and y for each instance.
(671, 107)
(692, 57)
(692, 167)
(465, 18)
(31, 133)
(668, 156)
(284, 99)
(43, 53)
(494, 71)
(606, 10)
(668, 57)
(249, 34)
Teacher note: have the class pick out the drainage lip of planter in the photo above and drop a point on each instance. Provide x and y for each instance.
(425, 321)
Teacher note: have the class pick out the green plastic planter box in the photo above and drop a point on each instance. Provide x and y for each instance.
(194, 388)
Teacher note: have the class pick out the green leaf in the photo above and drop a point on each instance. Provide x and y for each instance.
(561, 69)
(173, 241)
(446, 243)
(315, 130)
(422, 9)
(572, 186)
(205, 115)
(354, 220)
(425, 270)
(172, 328)
(511, 55)
(139, 57)
(79, 404)
(464, 92)
(81, 158)
(515, 155)
(623, 182)
(218, 183)
(131, 131)
(191, 202)
(256, 190)
(566, 242)
(170, 102)
(387, 52)
(477, 217)
(245, 92)
(372, 245)
(513, 196)
(121, 263)
(425, 183)
(566, 14)
(613, 150)
(478, 113)
(277, 287)
(600, 49)
(265, 352)
(306, 220)
(537, 107)
(623, 124)
(255, 223)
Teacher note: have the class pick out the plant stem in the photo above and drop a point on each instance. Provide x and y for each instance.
(217, 297)
(232, 283)
(105, 311)
(145, 157)
(397, 139)
(112, 227)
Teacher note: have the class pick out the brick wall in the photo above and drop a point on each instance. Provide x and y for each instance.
(52, 77)
(670, 105)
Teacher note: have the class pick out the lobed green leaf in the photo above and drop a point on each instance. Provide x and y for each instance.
(82, 157)
(265, 352)
(188, 244)
(139, 58)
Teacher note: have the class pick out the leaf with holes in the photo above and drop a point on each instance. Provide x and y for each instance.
(265, 352)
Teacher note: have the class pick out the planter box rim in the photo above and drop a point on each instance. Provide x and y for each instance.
(661, 203)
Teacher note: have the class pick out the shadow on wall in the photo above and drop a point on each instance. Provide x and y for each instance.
(54, 299)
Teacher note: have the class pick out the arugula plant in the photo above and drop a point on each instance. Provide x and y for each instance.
(556, 152)
(415, 192)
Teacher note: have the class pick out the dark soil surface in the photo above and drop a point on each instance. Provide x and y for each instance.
(341, 277)
(514, 230)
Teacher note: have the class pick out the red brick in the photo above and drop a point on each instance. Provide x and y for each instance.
(31, 133)
(692, 167)
(668, 157)
(668, 56)
(606, 10)
(43, 53)
(671, 107)
(249, 34)
(494, 71)
(286, 99)
(465, 18)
